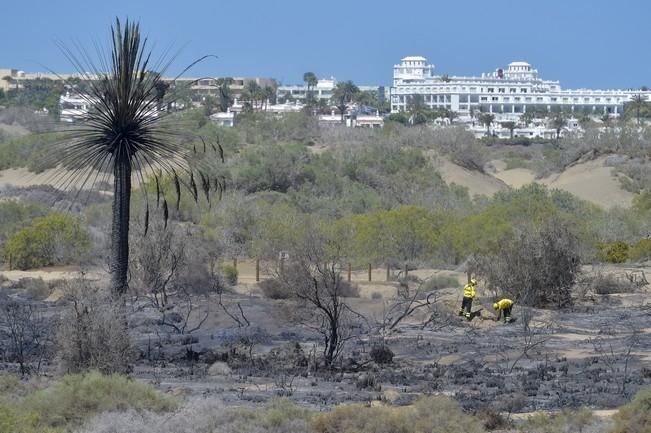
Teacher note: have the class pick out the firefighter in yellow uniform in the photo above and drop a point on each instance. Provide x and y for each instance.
(504, 306)
(469, 294)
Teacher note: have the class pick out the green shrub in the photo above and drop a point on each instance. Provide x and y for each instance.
(75, 399)
(634, 416)
(55, 239)
(231, 274)
(640, 251)
(613, 252)
(430, 414)
(567, 421)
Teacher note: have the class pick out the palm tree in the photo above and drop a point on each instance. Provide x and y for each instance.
(343, 94)
(311, 81)
(486, 119)
(225, 99)
(510, 126)
(269, 95)
(638, 102)
(124, 135)
(558, 123)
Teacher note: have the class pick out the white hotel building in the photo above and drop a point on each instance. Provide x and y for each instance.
(507, 93)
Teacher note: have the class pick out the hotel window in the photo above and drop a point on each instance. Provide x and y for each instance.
(491, 90)
(506, 99)
(473, 89)
(539, 99)
(494, 98)
(598, 100)
(517, 98)
(565, 99)
(484, 98)
(501, 90)
(554, 99)
(512, 90)
(523, 90)
(528, 99)
(463, 107)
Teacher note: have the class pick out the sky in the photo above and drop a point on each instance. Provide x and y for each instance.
(583, 43)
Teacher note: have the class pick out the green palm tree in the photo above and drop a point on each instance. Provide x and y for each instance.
(124, 135)
(343, 94)
(310, 81)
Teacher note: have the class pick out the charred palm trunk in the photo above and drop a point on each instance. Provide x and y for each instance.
(120, 230)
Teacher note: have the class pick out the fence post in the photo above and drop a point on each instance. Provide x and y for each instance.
(257, 269)
(369, 272)
(388, 272)
(350, 271)
(406, 270)
(235, 262)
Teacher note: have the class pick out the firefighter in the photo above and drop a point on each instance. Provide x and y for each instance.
(469, 293)
(504, 306)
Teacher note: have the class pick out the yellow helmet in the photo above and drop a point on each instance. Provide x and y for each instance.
(473, 282)
(495, 306)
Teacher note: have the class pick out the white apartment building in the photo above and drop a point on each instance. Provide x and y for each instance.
(508, 93)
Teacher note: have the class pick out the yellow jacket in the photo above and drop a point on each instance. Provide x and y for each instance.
(469, 291)
(504, 303)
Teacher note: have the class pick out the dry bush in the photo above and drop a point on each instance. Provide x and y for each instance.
(606, 284)
(274, 288)
(634, 416)
(25, 334)
(567, 421)
(207, 416)
(91, 333)
(538, 266)
(430, 414)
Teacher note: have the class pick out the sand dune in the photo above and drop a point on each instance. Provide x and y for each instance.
(476, 182)
(592, 181)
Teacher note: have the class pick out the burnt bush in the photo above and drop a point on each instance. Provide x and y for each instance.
(381, 354)
(537, 266)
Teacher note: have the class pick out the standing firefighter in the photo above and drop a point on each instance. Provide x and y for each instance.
(504, 306)
(469, 293)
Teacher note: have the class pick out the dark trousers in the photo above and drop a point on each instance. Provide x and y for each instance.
(507, 313)
(466, 305)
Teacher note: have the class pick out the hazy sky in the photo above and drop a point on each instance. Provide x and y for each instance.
(582, 43)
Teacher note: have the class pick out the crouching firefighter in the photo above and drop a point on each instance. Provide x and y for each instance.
(469, 293)
(504, 307)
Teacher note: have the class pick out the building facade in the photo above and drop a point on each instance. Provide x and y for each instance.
(323, 90)
(507, 93)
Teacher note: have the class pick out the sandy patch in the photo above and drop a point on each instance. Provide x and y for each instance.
(516, 177)
(592, 181)
(476, 182)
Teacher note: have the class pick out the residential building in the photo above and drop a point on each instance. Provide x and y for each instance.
(507, 93)
(207, 86)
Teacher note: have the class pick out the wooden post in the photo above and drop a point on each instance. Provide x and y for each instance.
(369, 272)
(282, 265)
(350, 271)
(257, 269)
(235, 262)
(388, 272)
(406, 270)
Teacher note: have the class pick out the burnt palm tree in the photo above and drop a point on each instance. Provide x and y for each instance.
(125, 136)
